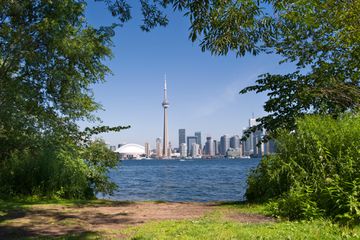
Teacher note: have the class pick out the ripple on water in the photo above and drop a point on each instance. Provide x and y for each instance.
(174, 180)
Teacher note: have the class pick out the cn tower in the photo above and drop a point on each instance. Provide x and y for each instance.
(165, 105)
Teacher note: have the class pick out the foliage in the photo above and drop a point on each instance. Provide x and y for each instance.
(58, 170)
(315, 171)
(99, 159)
(49, 59)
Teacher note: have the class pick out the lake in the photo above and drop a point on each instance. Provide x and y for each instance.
(182, 180)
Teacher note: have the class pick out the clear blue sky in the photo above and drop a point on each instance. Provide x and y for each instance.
(202, 89)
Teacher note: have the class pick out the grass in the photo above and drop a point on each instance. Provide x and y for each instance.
(244, 207)
(82, 236)
(30, 201)
(215, 225)
(207, 229)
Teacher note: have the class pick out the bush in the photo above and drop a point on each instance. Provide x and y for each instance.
(315, 172)
(57, 169)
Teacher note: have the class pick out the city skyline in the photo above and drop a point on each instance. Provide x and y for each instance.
(163, 147)
(225, 141)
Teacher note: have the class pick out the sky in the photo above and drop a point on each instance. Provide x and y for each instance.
(203, 90)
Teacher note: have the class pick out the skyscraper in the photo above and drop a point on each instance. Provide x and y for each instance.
(190, 141)
(169, 150)
(209, 147)
(258, 146)
(253, 122)
(224, 144)
(158, 148)
(165, 105)
(183, 150)
(194, 150)
(235, 142)
(147, 150)
(182, 137)
(216, 147)
(198, 139)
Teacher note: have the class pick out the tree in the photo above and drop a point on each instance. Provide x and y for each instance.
(49, 59)
(323, 39)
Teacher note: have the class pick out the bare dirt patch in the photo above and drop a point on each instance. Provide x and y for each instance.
(57, 220)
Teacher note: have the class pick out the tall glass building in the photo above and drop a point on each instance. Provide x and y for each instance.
(198, 138)
(224, 144)
(182, 137)
(190, 141)
(235, 142)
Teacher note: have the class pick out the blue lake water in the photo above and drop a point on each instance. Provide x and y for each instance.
(182, 180)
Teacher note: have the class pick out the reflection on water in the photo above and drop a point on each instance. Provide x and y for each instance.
(176, 180)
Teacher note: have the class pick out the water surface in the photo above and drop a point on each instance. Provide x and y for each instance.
(182, 180)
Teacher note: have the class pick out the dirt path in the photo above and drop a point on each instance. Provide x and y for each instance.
(56, 220)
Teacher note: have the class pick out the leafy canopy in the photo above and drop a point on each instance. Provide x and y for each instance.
(49, 59)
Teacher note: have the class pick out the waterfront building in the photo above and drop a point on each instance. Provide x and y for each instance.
(182, 136)
(194, 150)
(258, 146)
(248, 148)
(130, 151)
(158, 148)
(247, 144)
(165, 105)
(169, 150)
(183, 150)
(216, 147)
(241, 150)
(224, 144)
(233, 153)
(198, 139)
(147, 149)
(209, 147)
(113, 148)
(190, 141)
(253, 122)
(235, 142)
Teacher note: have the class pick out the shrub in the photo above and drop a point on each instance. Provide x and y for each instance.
(57, 169)
(315, 172)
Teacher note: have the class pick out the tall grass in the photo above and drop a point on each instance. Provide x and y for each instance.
(315, 173)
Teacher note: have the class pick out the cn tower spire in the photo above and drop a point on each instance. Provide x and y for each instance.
(165, 105)
(165, 90)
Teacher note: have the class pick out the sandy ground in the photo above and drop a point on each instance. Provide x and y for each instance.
(57, 220)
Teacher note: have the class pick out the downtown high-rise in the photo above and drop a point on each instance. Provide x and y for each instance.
(224, 144)
(190, 141)
(198, 138)
(182, 137)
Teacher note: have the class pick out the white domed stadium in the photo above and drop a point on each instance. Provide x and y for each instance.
(131, 151)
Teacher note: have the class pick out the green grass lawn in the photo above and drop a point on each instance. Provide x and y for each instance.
(208, 228)
(214, 225)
